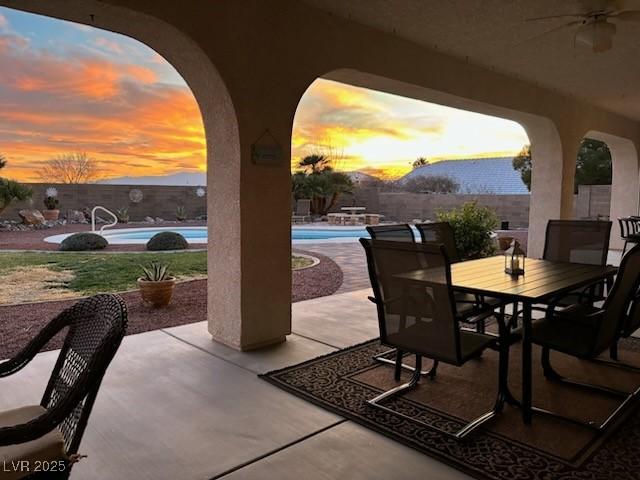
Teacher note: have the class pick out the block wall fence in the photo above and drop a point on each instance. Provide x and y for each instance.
(591, 201)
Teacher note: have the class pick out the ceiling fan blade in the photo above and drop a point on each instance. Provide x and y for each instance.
(568, 15)
(627, 16)
(547, 32)
(623, 5)
(595, 5)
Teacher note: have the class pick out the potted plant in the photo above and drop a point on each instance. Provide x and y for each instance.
(51, 212)
(156, 284)
(181, 213)
(123, 215)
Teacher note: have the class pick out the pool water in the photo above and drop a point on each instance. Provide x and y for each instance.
(198, 235)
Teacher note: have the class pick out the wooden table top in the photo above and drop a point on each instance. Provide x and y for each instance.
(542, 278)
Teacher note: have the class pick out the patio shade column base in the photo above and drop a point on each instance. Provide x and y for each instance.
(251, 346)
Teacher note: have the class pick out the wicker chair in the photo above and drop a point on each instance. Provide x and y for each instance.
(52, 431)
(629, 231)
(585, 332)
(422, 319)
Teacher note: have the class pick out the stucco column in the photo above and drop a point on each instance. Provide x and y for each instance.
(250, 231)
(546, 180)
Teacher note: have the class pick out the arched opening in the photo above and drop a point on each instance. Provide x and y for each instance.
(222, 142)
(624, 190)
(592, 182)
(545, 196)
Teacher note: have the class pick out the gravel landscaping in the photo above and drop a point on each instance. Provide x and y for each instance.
(21, 322)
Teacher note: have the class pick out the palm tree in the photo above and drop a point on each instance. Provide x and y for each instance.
(315, 163)
(10, 190)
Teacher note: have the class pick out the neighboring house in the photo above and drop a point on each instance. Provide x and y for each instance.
(359, 178)
(476, 176)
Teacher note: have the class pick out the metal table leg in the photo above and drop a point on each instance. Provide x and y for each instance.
(526, 362)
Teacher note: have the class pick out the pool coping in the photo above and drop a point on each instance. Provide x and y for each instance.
(57, 239)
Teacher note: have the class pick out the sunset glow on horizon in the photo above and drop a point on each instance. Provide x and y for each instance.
(68, 88)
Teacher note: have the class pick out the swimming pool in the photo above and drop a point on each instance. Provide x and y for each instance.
(198, 235)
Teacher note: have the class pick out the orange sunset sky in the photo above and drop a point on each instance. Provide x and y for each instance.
(66, 88)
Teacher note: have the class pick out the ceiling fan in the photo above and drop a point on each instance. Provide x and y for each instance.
(594, 26)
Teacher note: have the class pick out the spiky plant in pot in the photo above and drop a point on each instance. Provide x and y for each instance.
(156, 284)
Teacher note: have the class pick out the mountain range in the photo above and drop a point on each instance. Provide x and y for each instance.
(181, 179)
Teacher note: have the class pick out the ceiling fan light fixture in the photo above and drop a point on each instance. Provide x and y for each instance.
(598, 35)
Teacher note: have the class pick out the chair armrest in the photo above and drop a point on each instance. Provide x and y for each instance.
(24, 356)
(28, 431)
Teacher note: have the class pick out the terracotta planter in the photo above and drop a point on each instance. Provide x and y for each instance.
(505, 242)
(158, 294)
(51, 215)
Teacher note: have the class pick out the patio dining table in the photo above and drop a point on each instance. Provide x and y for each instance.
(542, 281)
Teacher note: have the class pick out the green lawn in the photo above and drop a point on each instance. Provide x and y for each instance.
(110, 272)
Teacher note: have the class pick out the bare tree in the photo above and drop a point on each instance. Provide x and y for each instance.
(70, 168)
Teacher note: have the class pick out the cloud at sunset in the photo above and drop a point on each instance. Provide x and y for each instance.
(68, 88)
(382, 134)
(121, 113)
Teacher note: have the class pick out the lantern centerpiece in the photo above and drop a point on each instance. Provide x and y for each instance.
(514, 260)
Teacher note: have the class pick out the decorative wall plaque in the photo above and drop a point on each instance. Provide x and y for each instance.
(136, 195)
(266, 150)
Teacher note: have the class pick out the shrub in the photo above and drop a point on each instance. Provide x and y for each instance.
(79, 242)
(122, 214)
(167, 241)
(473, 226)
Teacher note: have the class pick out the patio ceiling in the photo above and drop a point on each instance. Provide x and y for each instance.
(495, 34)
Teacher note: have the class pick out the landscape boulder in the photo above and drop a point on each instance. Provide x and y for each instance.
(31, 217)
(76, 216)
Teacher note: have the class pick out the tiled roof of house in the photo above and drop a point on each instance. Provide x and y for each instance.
(480, 175)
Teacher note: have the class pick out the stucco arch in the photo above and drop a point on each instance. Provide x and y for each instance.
(221, 131)
(625, 181)
(546, 192)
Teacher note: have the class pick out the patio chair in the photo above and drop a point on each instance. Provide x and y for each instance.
(303, 211)
(578, 241)
(585, 332)
(472, 310)
(422, 319)
(629, 231)
(468, 305)
(400, 232)
(51, 431)
(440, 232)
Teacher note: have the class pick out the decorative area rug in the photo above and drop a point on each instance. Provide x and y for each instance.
(505, 448)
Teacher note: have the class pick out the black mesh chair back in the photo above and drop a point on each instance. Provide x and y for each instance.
(400, 232)
(577, 241)
(94, 329)
(440, 233)
(620, 307)
(415, 318)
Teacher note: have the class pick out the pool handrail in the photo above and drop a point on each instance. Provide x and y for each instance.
(93, 219)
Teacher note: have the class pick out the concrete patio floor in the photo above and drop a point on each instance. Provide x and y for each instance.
(174, 404)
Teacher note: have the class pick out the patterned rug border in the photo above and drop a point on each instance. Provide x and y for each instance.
(271, 377)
